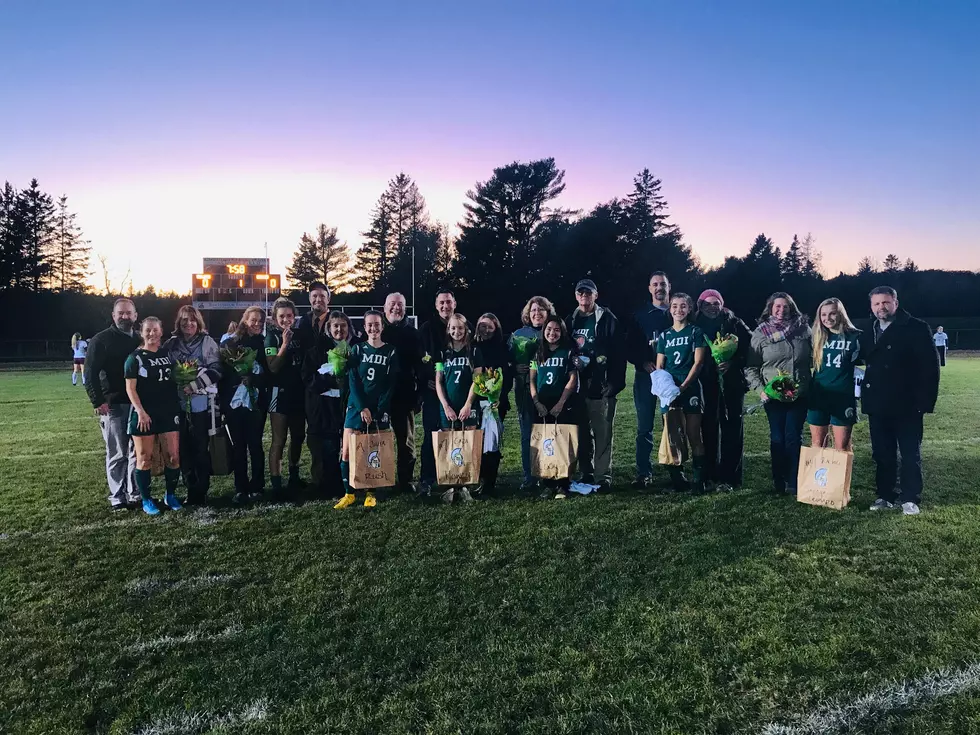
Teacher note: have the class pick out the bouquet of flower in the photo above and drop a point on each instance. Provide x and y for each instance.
(523, 349)
(783, 388)
(337, 359)
(723, 348)
(488, 384)
(185, 373)
(242, 361)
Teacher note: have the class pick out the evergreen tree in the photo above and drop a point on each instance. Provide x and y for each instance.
(867, 266)
(374, 257)
(792, 264)
(892, 263)
(12, 264)
(71, 252)
(910, 266)
(810, 257)
(36, 213)
(321, 257)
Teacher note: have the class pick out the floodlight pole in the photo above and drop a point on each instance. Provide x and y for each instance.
(267, 269)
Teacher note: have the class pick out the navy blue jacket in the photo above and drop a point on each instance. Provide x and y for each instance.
(901, 375)
(647, 324)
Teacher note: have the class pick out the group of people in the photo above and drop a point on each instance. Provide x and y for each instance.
(283, 369)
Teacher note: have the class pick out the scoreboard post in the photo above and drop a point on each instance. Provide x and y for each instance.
(234, 284)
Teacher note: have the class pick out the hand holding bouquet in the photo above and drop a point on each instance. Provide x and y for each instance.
(337, 359)
(488, 384)
(523, 349)
(242, 361)
(185, 374)
(723, 348)
(782, 388)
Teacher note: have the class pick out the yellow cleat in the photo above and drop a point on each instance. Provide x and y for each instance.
(370, 501)
(345, 502)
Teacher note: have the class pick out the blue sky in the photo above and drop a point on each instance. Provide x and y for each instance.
(178, 131)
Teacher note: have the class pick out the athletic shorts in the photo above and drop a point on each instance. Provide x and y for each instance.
(290, 402)
(161, 422)
(353, 420)
(690, 401)
(78, 360)
(831, 409)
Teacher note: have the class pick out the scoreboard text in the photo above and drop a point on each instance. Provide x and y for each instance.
(235, 283)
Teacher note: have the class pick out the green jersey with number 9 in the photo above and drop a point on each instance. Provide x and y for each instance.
(552, 375)
(678, 348)
(373, 372)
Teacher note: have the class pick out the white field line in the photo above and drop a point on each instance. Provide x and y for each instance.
(62, 453)
(197, 723)
(841, 716)
(149, 585)
(176, 543)
(193, 637)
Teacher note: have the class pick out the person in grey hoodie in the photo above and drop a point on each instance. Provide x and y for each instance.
(781, 344)
(191, 343)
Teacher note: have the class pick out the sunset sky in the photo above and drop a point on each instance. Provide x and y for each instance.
(187, 129)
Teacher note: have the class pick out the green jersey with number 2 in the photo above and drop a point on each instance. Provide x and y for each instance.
(678, 348)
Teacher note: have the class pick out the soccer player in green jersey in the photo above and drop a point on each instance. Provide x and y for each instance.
(554, 386)
(287, 400)
(681, 352)
(372, 371)
(454, 384)
(836, 350)
(155, 411)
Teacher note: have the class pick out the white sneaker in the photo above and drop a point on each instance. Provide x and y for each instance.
(448, 495)
(910, 509)
(881, 504)
(464, 495)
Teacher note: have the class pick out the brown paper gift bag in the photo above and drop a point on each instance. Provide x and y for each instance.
(458, 453)
(673, 441)
(825, 477)
(372, 460)
(554, 450)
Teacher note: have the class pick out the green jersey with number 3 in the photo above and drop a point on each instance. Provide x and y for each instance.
(457, 373)
(840, 354)
(678, 348)
(373, 372)
(552, 375)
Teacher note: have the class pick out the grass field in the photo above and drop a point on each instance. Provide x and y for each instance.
(623, 613)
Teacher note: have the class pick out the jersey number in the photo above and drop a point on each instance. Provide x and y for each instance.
(550, 379)
(834, 361)
(458, 375)
(164, 374)
(677, 358)
(370, 374)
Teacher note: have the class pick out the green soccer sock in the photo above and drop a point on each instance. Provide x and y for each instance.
(345, 475)
(143, 478)
(171, 476)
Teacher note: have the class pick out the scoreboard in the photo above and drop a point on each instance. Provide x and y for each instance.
(235, 283)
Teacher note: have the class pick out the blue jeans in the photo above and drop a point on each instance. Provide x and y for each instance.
(786, 422)
(646, 411)
(431, 421)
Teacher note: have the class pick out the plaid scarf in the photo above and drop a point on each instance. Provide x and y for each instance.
(778, 330)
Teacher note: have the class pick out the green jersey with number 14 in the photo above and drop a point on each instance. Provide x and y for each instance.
(840, 354)
(678, 348)
(373, 372)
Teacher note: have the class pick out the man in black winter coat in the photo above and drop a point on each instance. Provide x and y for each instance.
(408, 347)
(106, 386)
(901, 384)
(432, 335)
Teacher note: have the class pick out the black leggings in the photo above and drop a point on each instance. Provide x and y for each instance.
(246, 429)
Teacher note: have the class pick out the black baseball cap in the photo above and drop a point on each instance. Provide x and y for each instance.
(586, 284)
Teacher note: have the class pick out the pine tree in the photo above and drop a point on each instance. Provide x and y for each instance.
(867, 266)
(910, 266)
(374, 257)
(792, 264)
(321, 257)
(892, 263)
(12, 263)
(36, 210)
(810, 257)
(70, 251)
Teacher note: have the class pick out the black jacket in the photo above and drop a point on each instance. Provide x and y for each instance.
(324, 414)
(496, 355)
(605, 376)
(647, 324)
(432, 336)
(408, 347)
(104, 366)
(735, 377)
(230, 379)
(901, 368)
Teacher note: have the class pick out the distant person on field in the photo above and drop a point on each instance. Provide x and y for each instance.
(781, 344)
(192, 344)
(535, 313)
(836, 350)
(230, 332)
(901, 384)
(598, 337)
(287, 398)
(649, 321)
(940, 339)
(106, 386)
(723, 425)
(155, 411)
(78, 348)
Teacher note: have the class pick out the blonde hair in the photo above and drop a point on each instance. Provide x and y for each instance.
(468, 339)
(242, 330)
(821, 334)
(540, 301)
(74, 339)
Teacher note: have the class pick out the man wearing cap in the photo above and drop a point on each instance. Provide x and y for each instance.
(724, 388)
(597, 335)
(649, 322)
